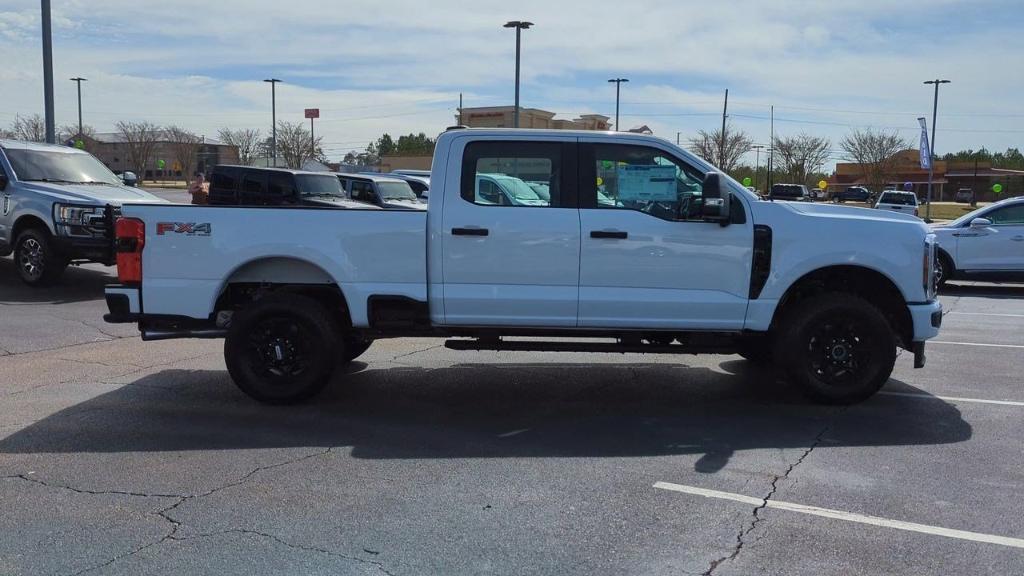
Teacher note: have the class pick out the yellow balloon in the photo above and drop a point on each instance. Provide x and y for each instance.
(822, 184)
(600, 181)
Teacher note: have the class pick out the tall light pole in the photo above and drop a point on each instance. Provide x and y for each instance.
(273, 118)
(519, 26)
(931, 159)
(51, 132)
(757, 161)
(79, 81)
(618, 84)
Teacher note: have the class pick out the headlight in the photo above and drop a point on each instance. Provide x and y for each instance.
(79, 220)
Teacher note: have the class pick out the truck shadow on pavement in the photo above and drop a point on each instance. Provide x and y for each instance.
(75, 285)
(495, 411)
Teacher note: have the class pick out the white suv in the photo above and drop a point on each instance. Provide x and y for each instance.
(896, 201)
(986, 244)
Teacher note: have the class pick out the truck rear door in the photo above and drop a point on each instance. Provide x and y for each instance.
(511, 263)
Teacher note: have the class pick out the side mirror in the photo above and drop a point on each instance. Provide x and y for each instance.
(3, 182)
(716, 199)
(981, 223)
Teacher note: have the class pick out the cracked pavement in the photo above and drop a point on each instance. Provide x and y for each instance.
(123, 457)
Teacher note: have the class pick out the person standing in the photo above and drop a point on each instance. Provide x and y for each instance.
(200, 189)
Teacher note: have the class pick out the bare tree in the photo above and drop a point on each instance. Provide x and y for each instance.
(246, 140)
(31, 128)
(70, 132)
(709, 147)
(185, 147)
(294, 145)
(801, 155)
(875, 152)
(140, 140)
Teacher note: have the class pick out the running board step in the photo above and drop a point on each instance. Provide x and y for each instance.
(605, 347)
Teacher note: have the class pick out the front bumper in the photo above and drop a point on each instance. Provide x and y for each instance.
(92, 249)
(927, 319)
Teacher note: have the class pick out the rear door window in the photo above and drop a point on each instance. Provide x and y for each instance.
(253, 189)
(281, 187)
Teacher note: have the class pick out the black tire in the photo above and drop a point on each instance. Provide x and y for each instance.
(354, 347)
(837, 348)
(282, 348)
(944, 269)
(37, 262)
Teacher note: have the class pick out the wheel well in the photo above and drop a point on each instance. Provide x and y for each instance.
(868, 284)
(26, 222)
(238, 295)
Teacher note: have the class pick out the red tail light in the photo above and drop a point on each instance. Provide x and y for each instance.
(131, 238)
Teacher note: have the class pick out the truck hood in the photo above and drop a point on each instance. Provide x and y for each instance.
(92, 193)
(850, 212)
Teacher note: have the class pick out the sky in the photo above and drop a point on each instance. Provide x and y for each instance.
(398, 66)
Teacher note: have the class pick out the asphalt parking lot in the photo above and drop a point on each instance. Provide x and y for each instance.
(119, 457)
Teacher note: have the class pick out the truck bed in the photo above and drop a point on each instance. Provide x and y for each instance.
(192, 252)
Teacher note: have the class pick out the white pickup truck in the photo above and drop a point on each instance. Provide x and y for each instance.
(638, 246)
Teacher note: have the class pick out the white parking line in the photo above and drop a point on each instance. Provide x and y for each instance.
(952, 398)
(986, 314)
(977, 344)
(846, 516)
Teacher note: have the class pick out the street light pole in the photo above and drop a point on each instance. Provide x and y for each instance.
(618, 83)
(757, 161)
(931, 159)
(273, 118)
(51, 132)
(79, 81)
(519, 26)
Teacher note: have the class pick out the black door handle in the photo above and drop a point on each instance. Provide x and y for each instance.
(469, 232)
(609, 234)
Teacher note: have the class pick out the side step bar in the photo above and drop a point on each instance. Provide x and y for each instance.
(620, 347)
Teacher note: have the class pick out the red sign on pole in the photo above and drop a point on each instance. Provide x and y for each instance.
(312, 112)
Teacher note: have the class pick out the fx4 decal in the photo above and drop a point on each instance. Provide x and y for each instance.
(186, 228)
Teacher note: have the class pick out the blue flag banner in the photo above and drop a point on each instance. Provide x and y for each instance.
(926, 153)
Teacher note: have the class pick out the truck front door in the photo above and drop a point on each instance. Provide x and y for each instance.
(647, 259)
(511, 264)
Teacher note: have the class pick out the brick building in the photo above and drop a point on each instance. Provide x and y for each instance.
(111, 149)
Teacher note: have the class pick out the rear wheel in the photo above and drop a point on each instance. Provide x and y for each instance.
(281, 349)
(837, 348)
(37, 262)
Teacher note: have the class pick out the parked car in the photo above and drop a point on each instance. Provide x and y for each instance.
(57, 207)
(796, 192)
(298, 292)
(986, 244)
(255, 186)
(896, 201)
(964, 196)
(420, 184)
(503, 190)
(852, 194)
(817, 194)
(383, 191)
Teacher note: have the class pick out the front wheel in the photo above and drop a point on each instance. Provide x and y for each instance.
(37, 262)
(837, 348)
(943, 270)
(282, 349)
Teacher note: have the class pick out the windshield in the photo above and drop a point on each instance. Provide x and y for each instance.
(316, 185)
(395, 191)
(902, 199)
(64, 167)
(518, 189)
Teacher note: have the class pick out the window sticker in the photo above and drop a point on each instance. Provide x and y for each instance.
(646, 183)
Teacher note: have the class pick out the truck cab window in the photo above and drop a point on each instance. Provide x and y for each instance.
(645, 179)
(524, 174)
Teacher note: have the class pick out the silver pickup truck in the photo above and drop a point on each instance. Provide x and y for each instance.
(57, 206)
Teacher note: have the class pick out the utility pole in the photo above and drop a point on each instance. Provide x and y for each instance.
(618, 83)
(677, 138)
(51, 132)
(757, 161)
(273, 118)
(721, 151)
(931, 159)
(771, 149)
(79, 82)
(519, 26)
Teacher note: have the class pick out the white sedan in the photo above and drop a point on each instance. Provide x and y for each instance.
(986, 244)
